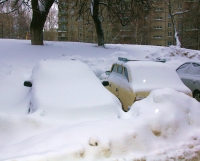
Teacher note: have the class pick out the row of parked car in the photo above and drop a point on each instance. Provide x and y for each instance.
(133, 80)
(128, 80)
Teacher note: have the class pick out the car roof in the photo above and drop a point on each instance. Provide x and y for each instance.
(140, 62)
(197, 62)
(188, 62)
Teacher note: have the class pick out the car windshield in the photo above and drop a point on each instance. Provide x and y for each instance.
(183, 68)
(194, 69)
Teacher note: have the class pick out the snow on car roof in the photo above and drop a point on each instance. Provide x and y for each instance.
(150, 75)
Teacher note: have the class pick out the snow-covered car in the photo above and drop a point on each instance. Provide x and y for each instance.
(189, 73)
(133, 80)
(69, 89)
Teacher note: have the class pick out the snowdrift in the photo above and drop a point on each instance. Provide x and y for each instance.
(158, 127)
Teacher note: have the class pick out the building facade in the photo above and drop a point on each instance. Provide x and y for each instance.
(155, 29)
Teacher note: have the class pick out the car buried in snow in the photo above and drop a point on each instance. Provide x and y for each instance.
(189, 72)
(133, 80)
(69, 89)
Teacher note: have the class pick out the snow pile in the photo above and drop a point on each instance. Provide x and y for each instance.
(157, 127)
(174, 52)
(99, 64)
(168, 123)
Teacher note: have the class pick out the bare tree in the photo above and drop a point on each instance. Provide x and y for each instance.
(40, 10)
(22, 21)
(173, 13)
(15, 24)
(50, 26)
(124, 10)
(190, 25)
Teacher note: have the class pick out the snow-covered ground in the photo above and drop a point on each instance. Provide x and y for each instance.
(164, 126)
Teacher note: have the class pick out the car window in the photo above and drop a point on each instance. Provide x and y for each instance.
(183, 68)
(114, 69)
(196, 65)
(119, 69)
(126, 73)
(194, 69)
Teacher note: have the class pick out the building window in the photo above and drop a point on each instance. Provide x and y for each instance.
(63, 34)
(80, 34)
(169, 34)
(63, 11)
(169, 43)
(72, 12)
(157, 18)
(157, 37)
(72, 27)
(125, 27)
(80, 27)
(72, 18)
(72, 3)
(79, 18)
(157, 27)
(158, 9)
(169, 25)
(62, 19)
(180, 25)
(180, 6)
(63, 3)
(62, 27)
(169, 16)
(180, 16)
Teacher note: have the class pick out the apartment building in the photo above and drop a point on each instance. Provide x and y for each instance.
(155, 29)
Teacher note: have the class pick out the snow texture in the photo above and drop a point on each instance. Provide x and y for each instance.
(163, 126)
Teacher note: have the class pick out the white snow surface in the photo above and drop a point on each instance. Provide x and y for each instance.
(146, 73)
(163, 126)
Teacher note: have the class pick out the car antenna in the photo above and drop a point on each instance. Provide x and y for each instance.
(155, 60)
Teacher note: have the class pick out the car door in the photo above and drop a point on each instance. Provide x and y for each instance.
(183, 72)
(194, 77)
(124, 91)
(113, 80)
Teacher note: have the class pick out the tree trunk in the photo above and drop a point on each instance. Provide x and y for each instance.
(38, 20)
(176, 37)
(36, 30)
(97, 22)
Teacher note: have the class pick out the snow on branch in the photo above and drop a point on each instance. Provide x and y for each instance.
(91, 6)
(41, 5)
(177, 13)
(167, 2)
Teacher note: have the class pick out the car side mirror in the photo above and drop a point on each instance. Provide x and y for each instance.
(108, 72)
(27, 84)
(105, 83)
